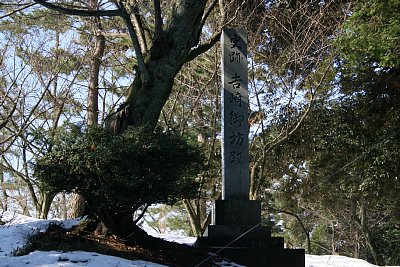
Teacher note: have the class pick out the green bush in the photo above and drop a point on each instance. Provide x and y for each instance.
(120, 173)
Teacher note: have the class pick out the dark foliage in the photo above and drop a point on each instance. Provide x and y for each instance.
(117, 174)
(343, 172)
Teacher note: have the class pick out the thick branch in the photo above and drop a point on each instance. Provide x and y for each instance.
(138, 24)
(203, 47)
(135, 41)
(158, 20)
(16, 10)
(79, 12)
(208, 11)
(10, 114)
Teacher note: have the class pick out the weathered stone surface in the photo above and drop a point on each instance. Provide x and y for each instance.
(264, 257)
(248, 231)
(237, 212)
(244, 242)
(235, 108)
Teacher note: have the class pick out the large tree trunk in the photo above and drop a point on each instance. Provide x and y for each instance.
(154, 81)
(143, 105)
(175, 41)
(44, 207)
(152, 87)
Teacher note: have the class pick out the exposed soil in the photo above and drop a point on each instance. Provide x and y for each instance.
(152, 249)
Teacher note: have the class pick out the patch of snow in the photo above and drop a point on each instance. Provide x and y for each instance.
(18, 228)
(75, 258)
(335, 261)
(15, 233)
(188, 240)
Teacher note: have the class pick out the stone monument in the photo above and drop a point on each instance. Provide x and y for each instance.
(236, 231)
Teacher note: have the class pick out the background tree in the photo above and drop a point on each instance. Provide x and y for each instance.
(348, 183)
(61, 54)
(42, 99)
(291, 69)
(98, 47)
(341, 180)
(193, 111)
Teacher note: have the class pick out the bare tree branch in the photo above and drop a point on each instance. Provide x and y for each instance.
(80, 12)
(203, 47)
(135, 41)
(16, 10)
(158, 20)
(137, 21)
(10, 114)
(208, 11)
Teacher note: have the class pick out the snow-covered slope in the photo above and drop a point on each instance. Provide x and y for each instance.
(15, 232)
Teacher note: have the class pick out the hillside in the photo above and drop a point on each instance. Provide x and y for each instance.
(48, 238)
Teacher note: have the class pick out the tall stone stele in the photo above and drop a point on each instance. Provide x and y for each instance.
(235, 209)
(236, 231)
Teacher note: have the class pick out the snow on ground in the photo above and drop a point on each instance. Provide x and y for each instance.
(335, 261)
(169, 237)
(15, 232)
(75, 258)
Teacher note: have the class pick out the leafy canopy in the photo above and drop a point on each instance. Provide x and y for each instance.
(371, 35)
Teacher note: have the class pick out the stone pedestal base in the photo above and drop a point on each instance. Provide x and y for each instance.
(223, 242)
(273, 257)
(236, 234)
(237, 212)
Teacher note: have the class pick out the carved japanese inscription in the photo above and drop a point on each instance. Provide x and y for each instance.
(235, 105)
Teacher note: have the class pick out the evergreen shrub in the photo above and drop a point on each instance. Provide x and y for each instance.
(120, 173)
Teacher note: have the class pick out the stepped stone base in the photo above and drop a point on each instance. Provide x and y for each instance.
(251, 257)
(237, 230)
(216, 242)
(236, 235)
(237, 212)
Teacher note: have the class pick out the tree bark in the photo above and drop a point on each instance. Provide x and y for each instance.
(95, 64)
(194, 220)
(4, 203)
(150, 90)
(173, 44)
(153, 84)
